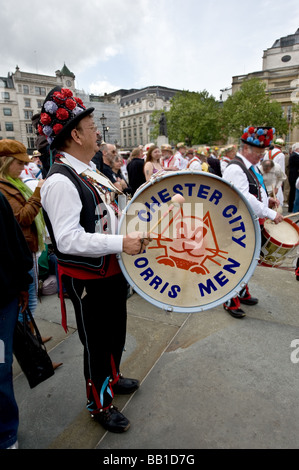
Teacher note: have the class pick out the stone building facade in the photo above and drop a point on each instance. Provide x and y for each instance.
(280, 72)
(136, 110)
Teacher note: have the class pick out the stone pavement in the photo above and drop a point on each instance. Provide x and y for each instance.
(208, 381)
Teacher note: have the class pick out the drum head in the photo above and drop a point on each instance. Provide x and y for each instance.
(203, 252)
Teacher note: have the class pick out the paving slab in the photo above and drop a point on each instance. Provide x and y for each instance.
(208, 381)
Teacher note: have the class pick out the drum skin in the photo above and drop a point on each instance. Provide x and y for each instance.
(202, 253)
(279, 242)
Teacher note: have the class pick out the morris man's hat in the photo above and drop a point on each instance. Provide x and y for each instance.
(258, 136)
(61, 112)
(15, 149)
(279, 142)
(181, 145)
(166, 147)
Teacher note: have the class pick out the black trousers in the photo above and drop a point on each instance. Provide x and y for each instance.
(101, 315)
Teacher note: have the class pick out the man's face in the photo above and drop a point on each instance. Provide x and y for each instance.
(111, 153)
(88, 133)
(253, 154)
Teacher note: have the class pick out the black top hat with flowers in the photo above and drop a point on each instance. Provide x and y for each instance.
(258, 136)
(61, 112)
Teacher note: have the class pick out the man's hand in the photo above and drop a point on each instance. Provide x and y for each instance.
(278, 218)
(273, 202)
(23, 300)
(135, 242)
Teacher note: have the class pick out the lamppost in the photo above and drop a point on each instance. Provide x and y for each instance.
(103, 120)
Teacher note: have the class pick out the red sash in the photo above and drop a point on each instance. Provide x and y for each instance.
(81, 274)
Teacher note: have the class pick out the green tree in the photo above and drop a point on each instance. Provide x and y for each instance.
(251, 105)
(193, 118)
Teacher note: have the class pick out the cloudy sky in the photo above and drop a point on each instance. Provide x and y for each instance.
(185, 44)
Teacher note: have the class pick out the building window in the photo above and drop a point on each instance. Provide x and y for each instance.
(28, 114)
(29, 129)
(40, 90)
(26, 89)
(40, 103)
(5, 95)
(27, 102)
(31, 142)
(9, 126)
(7, 112)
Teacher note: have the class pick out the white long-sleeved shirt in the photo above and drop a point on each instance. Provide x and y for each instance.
(235, 175)
(61, 201)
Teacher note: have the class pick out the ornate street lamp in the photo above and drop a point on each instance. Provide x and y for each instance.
(103, 120)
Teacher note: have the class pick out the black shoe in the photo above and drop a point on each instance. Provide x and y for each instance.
(125, 386)
(112, 419)
(236, 313)
(250, 301)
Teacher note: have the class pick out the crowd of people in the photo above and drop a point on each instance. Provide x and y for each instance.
(65, 212)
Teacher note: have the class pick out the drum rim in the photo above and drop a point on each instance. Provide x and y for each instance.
(242, 283)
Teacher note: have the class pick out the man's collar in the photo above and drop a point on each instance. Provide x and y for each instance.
(78, 166)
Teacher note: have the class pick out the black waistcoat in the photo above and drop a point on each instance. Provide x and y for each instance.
(254, 185)
(91, 215)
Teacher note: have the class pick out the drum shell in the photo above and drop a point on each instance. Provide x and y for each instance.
(274, 251)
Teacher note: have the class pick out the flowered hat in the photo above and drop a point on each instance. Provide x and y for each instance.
(258, 136)
(61, 112)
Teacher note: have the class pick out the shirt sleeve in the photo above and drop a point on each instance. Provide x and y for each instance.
(236, 176)
(70, 236)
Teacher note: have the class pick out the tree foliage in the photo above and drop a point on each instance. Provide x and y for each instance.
(193, 118)
(197, 118)
(251, 105)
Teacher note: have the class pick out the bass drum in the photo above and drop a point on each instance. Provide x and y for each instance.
(202, 252)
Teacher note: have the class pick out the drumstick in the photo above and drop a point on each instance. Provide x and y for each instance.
(177, 199)
(291, 215)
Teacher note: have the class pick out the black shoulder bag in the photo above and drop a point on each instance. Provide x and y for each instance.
(30, 351)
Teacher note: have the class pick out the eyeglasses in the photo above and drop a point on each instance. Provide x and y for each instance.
(93, 128)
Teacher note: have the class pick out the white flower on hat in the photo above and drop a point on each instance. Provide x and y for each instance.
(50, 107)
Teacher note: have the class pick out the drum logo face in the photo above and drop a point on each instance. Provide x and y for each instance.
(201, 249)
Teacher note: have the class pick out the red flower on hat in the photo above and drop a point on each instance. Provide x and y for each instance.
(58, 97)
(62, 114)
(57, 128)
(79, 101)
(261, 138)
(45, 119)
(270, 133)
(267, 142)
(40, 129)
(67, 92)
(70, 103)
(251, 130)
(244, 136)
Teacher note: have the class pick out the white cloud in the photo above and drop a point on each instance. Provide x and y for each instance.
(185, 44)
(101, 87)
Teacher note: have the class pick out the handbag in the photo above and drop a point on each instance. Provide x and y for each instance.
(30, 351)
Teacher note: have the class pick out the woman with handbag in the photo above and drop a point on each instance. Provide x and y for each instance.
(26, 207)
(16, 262)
